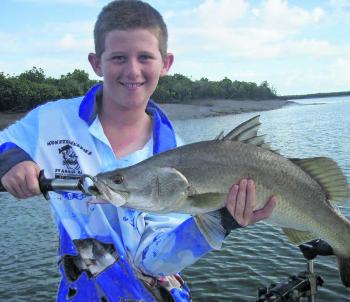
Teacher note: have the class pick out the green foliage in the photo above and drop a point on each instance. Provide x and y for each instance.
(178, 88)
(316, 95)
(32, 88)
(75, 84)
(35, 75)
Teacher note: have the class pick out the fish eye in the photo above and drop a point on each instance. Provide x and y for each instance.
(118, 179)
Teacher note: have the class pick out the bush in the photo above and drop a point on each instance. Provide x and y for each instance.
(32, 88)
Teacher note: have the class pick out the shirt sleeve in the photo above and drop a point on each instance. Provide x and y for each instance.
(18, 142)
(170, 243)
(23, 133)
(11, 155)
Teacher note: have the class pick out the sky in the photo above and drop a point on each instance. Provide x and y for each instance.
(297, 46)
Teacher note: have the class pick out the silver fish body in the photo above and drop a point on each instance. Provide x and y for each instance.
(195, 179)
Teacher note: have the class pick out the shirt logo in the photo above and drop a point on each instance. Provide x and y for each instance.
(70, 158)
(68, 152)
(68, 166)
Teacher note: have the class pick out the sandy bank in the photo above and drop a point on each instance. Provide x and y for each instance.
(207, 108)
(197, 109)
(9, 118)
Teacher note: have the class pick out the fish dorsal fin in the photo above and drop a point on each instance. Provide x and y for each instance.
(220, 136)
(247, 132)
(328, 174)
(258, 140)
(298, 237)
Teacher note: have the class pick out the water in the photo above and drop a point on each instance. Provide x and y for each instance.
(250, 258)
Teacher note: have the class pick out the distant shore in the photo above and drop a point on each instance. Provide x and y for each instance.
(9, 118)
(209, 108)
(196, 109)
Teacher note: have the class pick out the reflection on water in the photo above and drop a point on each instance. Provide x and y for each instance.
(250, 258)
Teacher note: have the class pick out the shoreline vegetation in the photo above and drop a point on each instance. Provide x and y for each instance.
(316, 95)
(180, 97)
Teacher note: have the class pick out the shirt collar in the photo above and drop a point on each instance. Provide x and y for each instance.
(88, 106)
(163, 131)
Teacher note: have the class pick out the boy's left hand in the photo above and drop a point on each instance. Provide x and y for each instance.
(241, 203)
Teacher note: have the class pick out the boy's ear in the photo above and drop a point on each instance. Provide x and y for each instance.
(95, 63)
(167, 62)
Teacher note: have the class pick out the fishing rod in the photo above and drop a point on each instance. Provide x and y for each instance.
(46, 185)
(300, 287)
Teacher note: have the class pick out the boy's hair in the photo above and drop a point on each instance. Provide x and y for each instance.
(126, 15)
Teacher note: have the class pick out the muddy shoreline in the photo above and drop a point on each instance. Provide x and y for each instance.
(193, 110)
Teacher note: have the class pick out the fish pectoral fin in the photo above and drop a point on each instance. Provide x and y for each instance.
(211, 227)
(328, 174)
(298, 237)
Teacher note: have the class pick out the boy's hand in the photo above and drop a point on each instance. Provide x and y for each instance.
(22, 180)
(241, 202)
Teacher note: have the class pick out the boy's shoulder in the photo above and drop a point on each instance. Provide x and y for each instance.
(68, 104)
(60, 106)
(56, 110)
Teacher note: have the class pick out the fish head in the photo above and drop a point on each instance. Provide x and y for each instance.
(120, 187)
(141, 187)
(110, 187)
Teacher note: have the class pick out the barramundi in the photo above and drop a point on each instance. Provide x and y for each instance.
(196, 178)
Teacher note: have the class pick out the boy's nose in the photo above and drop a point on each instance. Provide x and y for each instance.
(133, 68)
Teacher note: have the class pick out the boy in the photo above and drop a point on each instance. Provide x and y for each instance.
(108, 253)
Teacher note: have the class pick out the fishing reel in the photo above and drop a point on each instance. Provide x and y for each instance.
(303, 286)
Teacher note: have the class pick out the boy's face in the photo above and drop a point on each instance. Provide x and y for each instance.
(131, 65)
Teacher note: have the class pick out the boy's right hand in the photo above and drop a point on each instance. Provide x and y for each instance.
(22, 180)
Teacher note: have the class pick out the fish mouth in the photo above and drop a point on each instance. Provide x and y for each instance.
(102, 190)
(95, 190)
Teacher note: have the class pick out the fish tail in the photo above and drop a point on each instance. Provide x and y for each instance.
(344, 270)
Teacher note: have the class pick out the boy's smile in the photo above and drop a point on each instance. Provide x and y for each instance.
(131, 86)
(131, 65)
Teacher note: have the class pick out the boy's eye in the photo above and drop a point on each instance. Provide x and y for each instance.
(118, 59)
(145, 57)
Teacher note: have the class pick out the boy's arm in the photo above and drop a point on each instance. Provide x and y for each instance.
(21, 180)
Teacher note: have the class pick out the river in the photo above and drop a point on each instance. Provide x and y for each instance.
(250, 258)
